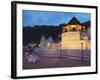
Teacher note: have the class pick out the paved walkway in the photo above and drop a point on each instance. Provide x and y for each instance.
(50, 62)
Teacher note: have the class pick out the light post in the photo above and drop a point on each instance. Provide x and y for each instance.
(82, 58)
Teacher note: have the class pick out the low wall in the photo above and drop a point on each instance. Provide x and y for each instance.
(67, 53)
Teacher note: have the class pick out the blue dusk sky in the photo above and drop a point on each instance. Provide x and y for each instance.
(31, 17)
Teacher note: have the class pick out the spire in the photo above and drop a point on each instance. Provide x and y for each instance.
(50, 40)
(74, 20)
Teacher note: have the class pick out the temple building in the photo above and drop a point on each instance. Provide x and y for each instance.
(43, 43)
(73, 25)
(71, 36)
(50, 43)
(46, 43)
(72, 42)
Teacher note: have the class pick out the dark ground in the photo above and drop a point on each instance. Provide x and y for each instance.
(54, 62)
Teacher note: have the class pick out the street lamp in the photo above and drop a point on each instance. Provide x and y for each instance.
(82, 58)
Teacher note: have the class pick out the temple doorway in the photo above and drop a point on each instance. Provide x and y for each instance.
(73, 29)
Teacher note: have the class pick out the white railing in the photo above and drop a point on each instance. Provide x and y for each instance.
(65, 53)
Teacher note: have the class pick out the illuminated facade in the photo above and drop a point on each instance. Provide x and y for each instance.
(71, 38)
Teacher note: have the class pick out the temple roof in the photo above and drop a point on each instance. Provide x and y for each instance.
(74, 21)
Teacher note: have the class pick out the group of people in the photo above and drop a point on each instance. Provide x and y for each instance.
(31, 56)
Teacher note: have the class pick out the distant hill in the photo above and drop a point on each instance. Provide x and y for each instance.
(34, 34)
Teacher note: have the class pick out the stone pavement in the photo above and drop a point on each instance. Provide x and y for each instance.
(54, 62)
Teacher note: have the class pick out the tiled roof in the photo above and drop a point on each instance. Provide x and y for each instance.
(73, 21)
